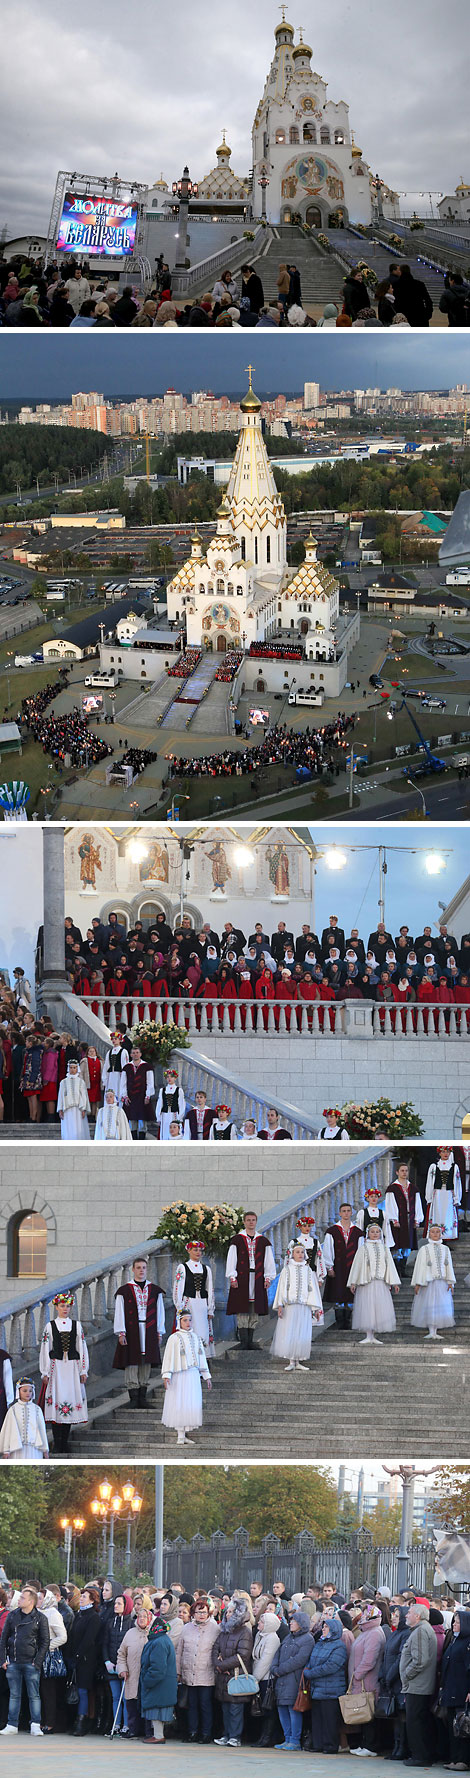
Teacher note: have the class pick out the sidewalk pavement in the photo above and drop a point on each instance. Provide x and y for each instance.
(62, 1752)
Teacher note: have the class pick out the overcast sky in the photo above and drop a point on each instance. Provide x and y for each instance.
(142, 90)
(40, 366)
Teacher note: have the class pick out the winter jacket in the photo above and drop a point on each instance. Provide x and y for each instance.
(128, 1659)
(57, 1630)
(366, 1657)
(389, 1676)
(234, 1640)
(158, 1682)
(412, 298)
(455, 1670)
(83, 1650)
(265, 1646)
(114, 1630)
(25, 1638)
(356, 296)
(289, 1662)
(418, 1661)
(66, 1613)
(194, 1652)
(327, 1668)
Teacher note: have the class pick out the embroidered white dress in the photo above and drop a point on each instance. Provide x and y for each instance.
(73, 1101)
(184, 1362)
(433, 1271)
(23, 1436)
(112, 1125)
(298, 1294)
(373, 1273)
(66, 1402)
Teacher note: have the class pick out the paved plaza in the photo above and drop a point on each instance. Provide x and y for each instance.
(58, 1752)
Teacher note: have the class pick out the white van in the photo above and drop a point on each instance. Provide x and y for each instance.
(309, 698)
(107, 681)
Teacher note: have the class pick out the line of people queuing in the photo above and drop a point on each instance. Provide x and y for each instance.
(374, 1673)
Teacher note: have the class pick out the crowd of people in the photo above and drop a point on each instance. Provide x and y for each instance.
(67, 738)
(228, 668)
(73, 295)
(400, 1237)
(369, 1673)
(312, 751)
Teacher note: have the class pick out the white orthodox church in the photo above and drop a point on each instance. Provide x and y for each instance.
(241, 590)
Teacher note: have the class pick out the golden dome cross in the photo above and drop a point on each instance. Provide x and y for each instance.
(250, 369)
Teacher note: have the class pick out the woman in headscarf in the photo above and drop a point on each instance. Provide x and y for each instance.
(365, 1662)
(371, 1280)
(390, 1685)
(128, 1661)
(326, 1671)
(292, 1656)
(433, 1282)
(233, 1646)
(158, 1681)
(72, 1105)
(195, 1669)
(184, 1362)
(112, 1125)
(265, 1647)
(23, 1436)
(64, 1365)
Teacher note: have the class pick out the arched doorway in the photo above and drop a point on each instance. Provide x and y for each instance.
(304, 627)
(314, 216)
(260, 685)
(221, 644)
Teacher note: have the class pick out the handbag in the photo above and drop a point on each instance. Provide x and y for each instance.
(303, 1700)
(386, 1704)
(256, 1705)
(242, 1685)
(268, 1703)
(461, 1722)
(182, 1696)
(71, 1691)
(357, 1707)
(53, 1665)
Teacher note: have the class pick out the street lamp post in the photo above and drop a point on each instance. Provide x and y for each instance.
(408, 1475)
(336, 859)
(184, 190)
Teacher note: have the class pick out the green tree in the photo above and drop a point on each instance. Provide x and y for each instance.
(452, 1505)
(383, 1522)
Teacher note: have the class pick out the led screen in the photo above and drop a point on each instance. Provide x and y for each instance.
(97, 225)
(91, 703)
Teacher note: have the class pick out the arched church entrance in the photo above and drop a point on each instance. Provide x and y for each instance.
(314, 216)
(304, 627)
(260, 685)
(221, 644)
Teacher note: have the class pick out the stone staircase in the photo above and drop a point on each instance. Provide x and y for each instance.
(380, 258)
(320, 275)
(342, 1405)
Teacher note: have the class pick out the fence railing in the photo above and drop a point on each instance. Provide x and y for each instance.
(347, 1183)
(242, 1018)
(236, 254)
(233, 1562)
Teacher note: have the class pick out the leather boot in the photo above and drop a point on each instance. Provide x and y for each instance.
(249, 1338)
(243, 1338)
(134, 1398)
(81, 1726)
(339, 1315)
(142, 1394)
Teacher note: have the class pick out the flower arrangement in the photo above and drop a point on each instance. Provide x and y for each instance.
(215, 1224)
(157, 1041)
(394, 1120)
(324, 242)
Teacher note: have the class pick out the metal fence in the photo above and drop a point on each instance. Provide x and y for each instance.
(233, 1562)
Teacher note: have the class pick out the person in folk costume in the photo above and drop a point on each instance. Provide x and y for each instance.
(248, 1132)
(222, 1129)
(115, 1060)
(112, 1124)
(403, 1196)
(90, 1070)
(137, 1091)
(274, 1131)
(444, 1192)
(305, 1231)
(199, 1118)
(7, 1393)
(333, 1130)
(23, 1436)
(372, 1212)
(250, 1267)
(193, 1289)
(339, 1249)
(298, 1304)
(64, 1366)
(371, 1280)
(139, 1322)
(184, 1362)
(73, 1106)
(178, 1132)
(171, 1103)
(433, 1282)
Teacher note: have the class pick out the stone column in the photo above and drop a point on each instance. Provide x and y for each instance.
(54, 981)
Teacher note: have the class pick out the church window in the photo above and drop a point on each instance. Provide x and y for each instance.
(292, 623)
(293, 133)
(309, 133)
(220, 586)
(243, 549)
(28, 1246)
(177, 616)
(268, 549)
(239, 591)
(279, 606)
(210, 588)
(256, 549)
(230, 587)
(280, 136)
(339, 138)
(324, 134)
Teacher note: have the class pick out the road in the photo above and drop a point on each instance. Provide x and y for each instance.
(444, 802)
